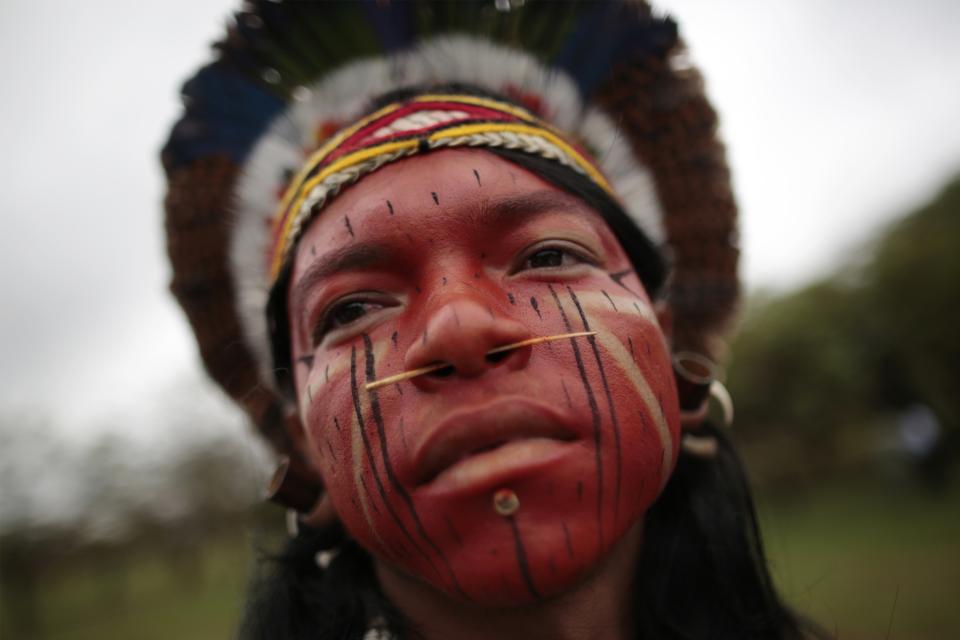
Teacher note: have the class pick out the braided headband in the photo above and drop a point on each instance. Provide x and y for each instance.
(406, 128)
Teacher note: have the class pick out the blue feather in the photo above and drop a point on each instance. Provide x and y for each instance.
(225, 113)
(607, 33)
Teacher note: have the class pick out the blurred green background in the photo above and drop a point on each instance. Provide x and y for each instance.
(848, 412)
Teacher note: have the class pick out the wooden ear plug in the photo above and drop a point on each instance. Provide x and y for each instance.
(294, 486)
(436, 366)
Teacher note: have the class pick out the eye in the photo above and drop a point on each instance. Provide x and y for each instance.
(345, 314)
(546, 258)
(554, 256)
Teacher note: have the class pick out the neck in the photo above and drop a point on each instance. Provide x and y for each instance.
(597, 607)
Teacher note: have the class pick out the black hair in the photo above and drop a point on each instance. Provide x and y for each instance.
(702, 572)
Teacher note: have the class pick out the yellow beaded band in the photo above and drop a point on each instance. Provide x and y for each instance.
(402, 129)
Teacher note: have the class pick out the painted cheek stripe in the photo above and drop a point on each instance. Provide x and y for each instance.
(522, 563)
(361, 427)
(357, 452)
(618, 461)
(594, 412)
(621, 357)
(388, 466)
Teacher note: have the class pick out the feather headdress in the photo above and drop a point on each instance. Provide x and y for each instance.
(290, 74)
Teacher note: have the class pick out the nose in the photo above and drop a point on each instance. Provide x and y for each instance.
(460, 331)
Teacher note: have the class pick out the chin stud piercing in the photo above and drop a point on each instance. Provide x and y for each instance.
(505, 502)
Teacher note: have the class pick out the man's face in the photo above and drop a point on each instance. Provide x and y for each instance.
(441, 258)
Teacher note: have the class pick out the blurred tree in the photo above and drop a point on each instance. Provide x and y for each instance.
(94, 507)
(913, 293)
(797, 378)
(816, 371)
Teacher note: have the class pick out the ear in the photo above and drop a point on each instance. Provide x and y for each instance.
(297, 436)
(321, 515)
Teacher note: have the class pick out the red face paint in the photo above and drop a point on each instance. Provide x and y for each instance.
(500, 479)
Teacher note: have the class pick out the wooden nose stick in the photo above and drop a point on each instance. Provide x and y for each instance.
(413, 373)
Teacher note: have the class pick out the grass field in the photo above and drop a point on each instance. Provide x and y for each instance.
(866, 564)
(870, 563)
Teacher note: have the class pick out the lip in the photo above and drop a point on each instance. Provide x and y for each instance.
(489, 442)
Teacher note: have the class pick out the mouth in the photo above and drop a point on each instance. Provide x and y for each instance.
(489, 442)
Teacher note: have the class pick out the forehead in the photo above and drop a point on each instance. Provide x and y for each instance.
(456, 196)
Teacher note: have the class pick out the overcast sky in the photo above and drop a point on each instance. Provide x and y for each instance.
(838, 117)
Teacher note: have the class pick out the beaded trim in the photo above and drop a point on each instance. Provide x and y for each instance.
(406, 128)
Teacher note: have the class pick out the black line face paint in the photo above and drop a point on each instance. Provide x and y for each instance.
(346, 221)
(390, 207)
(566, 538)
(618, 462)
(536, 306)
(609, 299)
(336, 424)
(368, 451)
(436, 199)
(370, 499)
(594, 412)
(522, 561)
(644, 424)
(630, 343)
(398, 488)
(476, 174)
(619, 276)
(511, 298)
(393, 339)
(453, 531)
(403, 434)
(566, 393)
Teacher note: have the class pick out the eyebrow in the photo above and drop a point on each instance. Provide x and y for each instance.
(356, 256)
(525, 206)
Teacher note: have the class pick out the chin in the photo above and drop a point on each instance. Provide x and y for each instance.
(554, 540)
